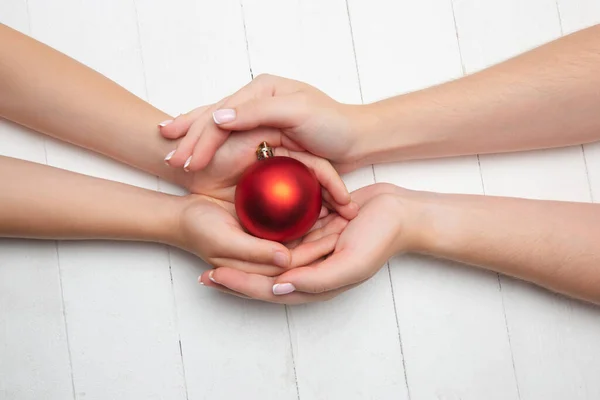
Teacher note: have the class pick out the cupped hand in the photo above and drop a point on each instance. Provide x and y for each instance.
(209, 228)
(386, 224)
(219, 178)
(306, 118)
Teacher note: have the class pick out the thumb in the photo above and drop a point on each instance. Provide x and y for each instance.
(277, 112)
(339, 270)
(245, 247)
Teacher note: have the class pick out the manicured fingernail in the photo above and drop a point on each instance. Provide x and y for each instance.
(281, 259)
(283, 288)
(200, 280)
(168, 157)
(210, 276)
(165, 123)
(187, 164)
(223, 116)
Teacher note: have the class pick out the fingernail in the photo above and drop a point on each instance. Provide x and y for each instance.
(187, 164)
(165, 123)
(283, 288)
(281, 259)
(200, 280)
(210, 276)
(168, 157)
(223, 116)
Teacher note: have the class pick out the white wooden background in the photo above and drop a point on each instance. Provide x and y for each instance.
(102, 320)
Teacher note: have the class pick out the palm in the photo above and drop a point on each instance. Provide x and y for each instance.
(219, 178)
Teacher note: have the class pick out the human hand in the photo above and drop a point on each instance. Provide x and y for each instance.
(304, 117)
(209, 228)
(219, 177)
(386, 224)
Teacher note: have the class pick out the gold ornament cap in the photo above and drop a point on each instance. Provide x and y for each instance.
(264, 151)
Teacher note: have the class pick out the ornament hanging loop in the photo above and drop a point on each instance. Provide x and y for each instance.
(264, 151)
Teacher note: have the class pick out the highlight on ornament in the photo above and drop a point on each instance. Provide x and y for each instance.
(277, 198)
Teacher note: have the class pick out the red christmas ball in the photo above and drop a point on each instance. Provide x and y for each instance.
(277, 198)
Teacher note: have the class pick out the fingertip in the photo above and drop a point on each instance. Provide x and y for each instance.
(340, 193)
(324, 212)
(211, 276)
(280, 289)
(170, 132)
(224, 116)
(353, 209)
(349, 211)
(282, 257)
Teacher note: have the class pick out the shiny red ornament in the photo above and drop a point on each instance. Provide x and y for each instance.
(277, 198)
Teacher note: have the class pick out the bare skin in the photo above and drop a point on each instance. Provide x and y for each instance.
(47, 91)
(548, 97)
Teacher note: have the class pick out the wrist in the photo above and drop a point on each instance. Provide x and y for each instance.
(405, 127)
(163, 223)
(429, 221)
(443, 222)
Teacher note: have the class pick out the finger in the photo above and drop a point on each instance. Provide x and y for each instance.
(324, 212)
(239, 245)
(321, 222)
(339, 270)
(325, 173)
(179, 126)
(278, 112)
(221, 288)
(182, 156)
(259, 287)
(213, 136)
(335, 226)
(308, 252)
(348, 211)
(245, 266)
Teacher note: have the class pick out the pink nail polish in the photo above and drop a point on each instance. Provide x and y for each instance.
(283, 288)
(223, 116)
(210, 276)
(165, 123)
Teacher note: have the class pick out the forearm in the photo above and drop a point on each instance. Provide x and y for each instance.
(54, 94)
(37, 201)
(548, 97)
(553, 244)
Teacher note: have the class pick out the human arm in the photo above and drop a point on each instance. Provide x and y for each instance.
(553, 244)
(37, 201)
(47, 91)
(547, 97)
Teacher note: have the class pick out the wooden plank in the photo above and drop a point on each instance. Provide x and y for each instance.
(34, 356)
(550, 335)
(451, 317)
(232, 348)
(118, 296)
(576, 15)
(348, 347)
